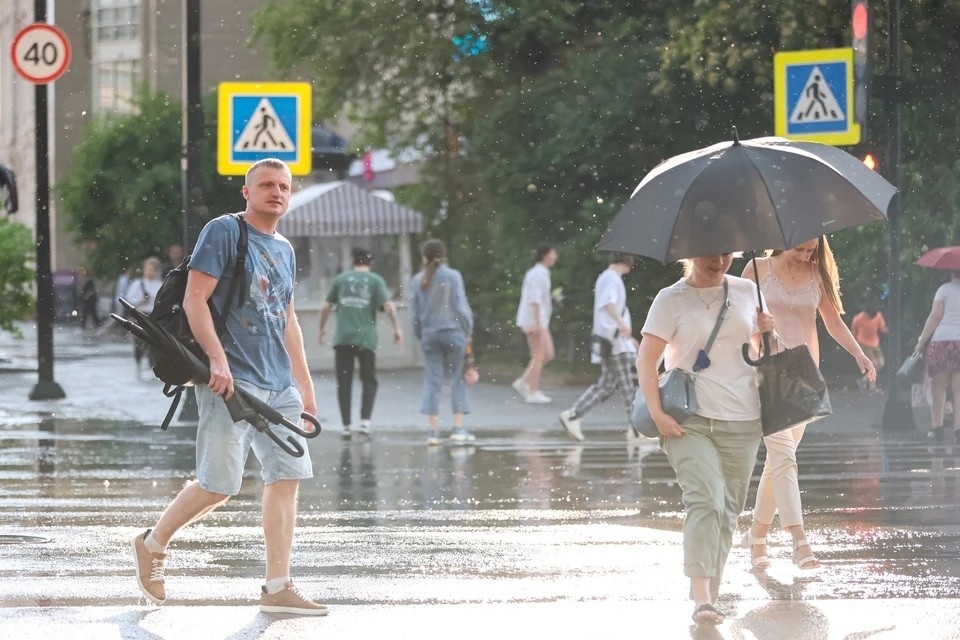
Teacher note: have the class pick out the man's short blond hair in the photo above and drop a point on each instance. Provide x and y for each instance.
(272, 163)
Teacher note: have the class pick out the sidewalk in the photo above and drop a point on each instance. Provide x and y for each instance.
(98, 375)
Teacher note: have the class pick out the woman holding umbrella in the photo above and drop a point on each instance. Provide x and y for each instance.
(713, 453)
(797, 283)
(942, 330)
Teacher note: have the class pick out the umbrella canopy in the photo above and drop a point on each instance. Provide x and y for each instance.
(766, 193)
(242, 405)
(946, 258)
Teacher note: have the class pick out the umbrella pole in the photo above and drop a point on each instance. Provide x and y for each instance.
(756, 279)
(745, 350)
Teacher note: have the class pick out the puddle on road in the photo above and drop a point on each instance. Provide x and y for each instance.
(884, 514)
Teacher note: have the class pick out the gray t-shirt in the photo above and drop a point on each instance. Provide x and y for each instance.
(253, 336)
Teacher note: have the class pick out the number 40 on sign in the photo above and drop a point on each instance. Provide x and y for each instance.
(40, 53)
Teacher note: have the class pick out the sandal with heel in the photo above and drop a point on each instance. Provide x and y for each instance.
(748, 542)
(807, 562)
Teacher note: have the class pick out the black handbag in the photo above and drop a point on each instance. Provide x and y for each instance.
(601, 347)
(792, 390)
(911, 371)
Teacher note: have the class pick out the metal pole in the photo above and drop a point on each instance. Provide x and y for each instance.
(46, 388)
(194, 212)
(897, 413)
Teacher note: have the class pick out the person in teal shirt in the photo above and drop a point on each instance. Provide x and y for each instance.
(357, 295)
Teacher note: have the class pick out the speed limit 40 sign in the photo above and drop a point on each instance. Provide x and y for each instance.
(40, 52)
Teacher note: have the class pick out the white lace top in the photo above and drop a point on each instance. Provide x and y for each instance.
(794, 309)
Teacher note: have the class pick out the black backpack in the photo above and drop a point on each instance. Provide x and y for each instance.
(168, 313)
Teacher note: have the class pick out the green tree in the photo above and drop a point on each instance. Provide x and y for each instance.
(123, 196)
(17, 253)
(537, 118)
(720, 59)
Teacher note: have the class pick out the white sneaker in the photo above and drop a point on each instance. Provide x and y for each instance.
(345, 433)
(571, 423)
(364, 428)
(521, 387)
(461, 436)
(640, 444)
(539, 397)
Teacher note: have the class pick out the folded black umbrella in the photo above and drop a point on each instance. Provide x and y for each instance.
(242, 405)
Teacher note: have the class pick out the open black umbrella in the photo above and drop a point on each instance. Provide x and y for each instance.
(765, 193)
(242, 405)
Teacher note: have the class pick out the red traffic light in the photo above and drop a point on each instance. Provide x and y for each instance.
(860, 20)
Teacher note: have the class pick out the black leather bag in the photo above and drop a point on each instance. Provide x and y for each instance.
(601, 347)
(792, 390)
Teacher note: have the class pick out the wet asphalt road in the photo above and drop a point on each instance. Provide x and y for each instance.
(525, 533)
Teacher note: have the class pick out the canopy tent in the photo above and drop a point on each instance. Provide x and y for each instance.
(340, 209)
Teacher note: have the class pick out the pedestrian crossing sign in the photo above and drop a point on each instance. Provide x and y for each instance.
(813, 96)
(257, 120)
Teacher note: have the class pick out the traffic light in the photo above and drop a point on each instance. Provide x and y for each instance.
(860, 22)
(869, 154)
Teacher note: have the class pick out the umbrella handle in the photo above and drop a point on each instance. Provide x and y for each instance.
(302, 432)
(763, 356)
(294, 448)
(316, 425)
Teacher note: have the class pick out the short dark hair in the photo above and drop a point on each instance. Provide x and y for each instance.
(542, 250)
(362, 256)
(619, 257)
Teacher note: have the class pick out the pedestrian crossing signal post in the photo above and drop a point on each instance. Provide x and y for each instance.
(814, 96)
(259, 120)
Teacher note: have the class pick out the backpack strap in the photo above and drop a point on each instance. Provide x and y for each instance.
(238, 284)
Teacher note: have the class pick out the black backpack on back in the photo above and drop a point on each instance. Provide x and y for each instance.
(168, 313)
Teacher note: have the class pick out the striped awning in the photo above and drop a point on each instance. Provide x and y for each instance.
(336, 209)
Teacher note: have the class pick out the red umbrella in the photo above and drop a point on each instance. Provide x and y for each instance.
(946, 258)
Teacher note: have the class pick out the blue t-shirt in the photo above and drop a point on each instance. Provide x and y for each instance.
(253, 335)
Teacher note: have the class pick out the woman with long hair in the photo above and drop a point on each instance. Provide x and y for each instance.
(797, 284)
(443, 323)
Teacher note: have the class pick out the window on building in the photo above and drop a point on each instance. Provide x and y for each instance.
(117, 20)
(116, 84)
(117, 55)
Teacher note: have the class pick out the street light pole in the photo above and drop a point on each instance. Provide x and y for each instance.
(46, 388)
(897, 412)
(191, 149)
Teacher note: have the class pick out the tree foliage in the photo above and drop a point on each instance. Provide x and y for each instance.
(539, 117)
(123, 195)
(17, 253)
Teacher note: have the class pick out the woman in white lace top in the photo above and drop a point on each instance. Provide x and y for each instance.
(797, 283)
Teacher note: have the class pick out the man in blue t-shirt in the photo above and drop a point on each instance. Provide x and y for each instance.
(357, 295)
(261, 351)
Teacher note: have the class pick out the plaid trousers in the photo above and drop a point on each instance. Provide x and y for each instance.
(618, 371)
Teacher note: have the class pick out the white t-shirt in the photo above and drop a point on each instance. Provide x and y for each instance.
(142, 293)
(949, 327)
(727, 389)
(609, 289)
(535, 290)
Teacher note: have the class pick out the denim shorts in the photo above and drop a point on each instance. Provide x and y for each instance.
(224, 445)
